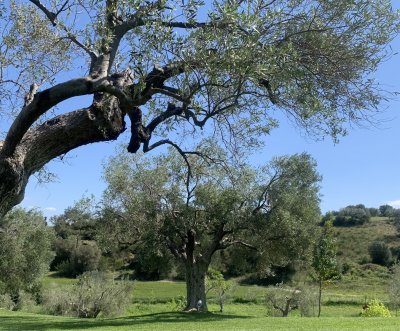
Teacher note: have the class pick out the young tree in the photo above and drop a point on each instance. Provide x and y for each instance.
(324, 259)
(174, 67)
(205, 210)
(216, 283)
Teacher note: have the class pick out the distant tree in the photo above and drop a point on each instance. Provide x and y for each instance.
(75, 247)
(25, 251)
(203, 209)
(395, 216)
(178, 67)
(373, 212)
(352, 215)
(324, 259)
(386, 210)
(77, 220)
(380, 253)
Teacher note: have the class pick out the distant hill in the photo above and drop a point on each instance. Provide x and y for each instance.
(353, 242)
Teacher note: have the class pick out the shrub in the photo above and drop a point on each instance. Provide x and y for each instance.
(380, 253)
(94, 293)
(6, 302)
(284, 300)
(375, 308)
(352, 216)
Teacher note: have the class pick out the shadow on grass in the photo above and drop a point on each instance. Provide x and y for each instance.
(41, 322)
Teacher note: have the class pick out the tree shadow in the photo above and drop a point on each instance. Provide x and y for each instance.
(42, 322)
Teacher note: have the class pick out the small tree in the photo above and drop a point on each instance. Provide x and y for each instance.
(324, 259)
(216, 283)
(283, 299)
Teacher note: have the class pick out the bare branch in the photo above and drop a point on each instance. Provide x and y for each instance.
(50, 15)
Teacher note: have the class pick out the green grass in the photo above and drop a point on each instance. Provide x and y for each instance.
(235, 318)
(154, 310)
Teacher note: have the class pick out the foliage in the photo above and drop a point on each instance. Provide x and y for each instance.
(324, 259)
(352, 215)
(285, 299)
(6, 302)
(152, 260)
(380, 253)
(375, 308)
(75, 257)
(76, 221)
(94, 293)
(385, 210)
(196, 207)
(75, 248)
(25, 251)
(216, 283)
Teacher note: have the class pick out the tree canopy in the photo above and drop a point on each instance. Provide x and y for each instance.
(25, 252)
(273, 211)
(176, 67)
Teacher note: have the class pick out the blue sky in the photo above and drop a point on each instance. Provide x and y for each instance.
(362, 168)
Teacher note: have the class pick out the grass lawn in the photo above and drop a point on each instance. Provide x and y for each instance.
(233, 319)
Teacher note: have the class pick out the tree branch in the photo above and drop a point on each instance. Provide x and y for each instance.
(68, 131)
(45, 100)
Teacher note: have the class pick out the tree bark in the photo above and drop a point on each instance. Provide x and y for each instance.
(195, 285)
(102, 121)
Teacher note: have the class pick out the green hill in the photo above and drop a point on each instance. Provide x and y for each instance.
(353, 242)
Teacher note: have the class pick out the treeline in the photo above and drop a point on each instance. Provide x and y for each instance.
(354, 215)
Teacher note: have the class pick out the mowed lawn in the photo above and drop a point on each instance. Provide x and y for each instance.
(165, 321)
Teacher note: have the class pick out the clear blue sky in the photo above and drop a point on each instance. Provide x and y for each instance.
(362, 168)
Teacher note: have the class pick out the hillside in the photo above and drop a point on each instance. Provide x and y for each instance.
(353, 242)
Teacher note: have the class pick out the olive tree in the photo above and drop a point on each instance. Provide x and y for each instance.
(208, 207)
(175, 67)
(25, 252)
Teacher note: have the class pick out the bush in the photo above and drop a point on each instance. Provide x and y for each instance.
(283, 300)
(375, 308)
(94, 293)
(6, 302)
(380, 253)
(352, 216)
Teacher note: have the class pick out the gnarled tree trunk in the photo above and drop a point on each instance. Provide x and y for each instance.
(195, 286)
